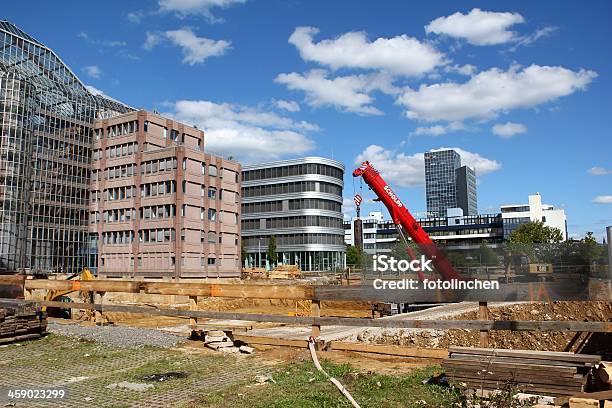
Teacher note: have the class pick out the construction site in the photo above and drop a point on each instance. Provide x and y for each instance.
(259, 340)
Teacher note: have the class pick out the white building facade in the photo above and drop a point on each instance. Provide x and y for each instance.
(514, 215)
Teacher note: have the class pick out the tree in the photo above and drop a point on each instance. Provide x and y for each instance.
(272, 255)
(589, 250)
(536, 241)
(354, 256)
(243, 252)
(487, 255)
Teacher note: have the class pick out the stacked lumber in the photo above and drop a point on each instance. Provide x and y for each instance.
(534, 372)
(21, 320)
(254, 273)
(285, 272)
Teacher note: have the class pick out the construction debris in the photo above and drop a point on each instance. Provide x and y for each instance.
(285, 272)
(219, 340)
(21, 321)
(535, 372)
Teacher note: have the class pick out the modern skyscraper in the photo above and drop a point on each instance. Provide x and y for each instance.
(448, 184)
(46, 122)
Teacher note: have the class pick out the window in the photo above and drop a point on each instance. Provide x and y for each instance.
(212, 214)
(212, 261)
(212, 170)
(212, 193)
(212, 237)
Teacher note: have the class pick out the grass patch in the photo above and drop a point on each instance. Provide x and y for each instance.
(299, 384)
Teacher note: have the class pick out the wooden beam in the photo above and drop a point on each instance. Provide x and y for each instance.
(483, 314)
(540, 355)
(346, 321)
(315, 312)
(250, 291)
(270, 341)
(193, 305)
(391, 350)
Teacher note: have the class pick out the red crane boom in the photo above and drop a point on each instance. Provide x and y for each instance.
(404, 221)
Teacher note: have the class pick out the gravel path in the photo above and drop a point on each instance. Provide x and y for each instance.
(119, 336)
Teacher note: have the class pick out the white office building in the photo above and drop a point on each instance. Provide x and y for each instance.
(514, 215)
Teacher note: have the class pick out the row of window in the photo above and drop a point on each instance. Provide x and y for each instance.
(295, 187)
(297, 239)
(125, 170)
(293, 170)
(293, 204)
(159, 188)
(119, 129)
(171, 261)
(154, 166)
(120, 150)
(119, 215)
(157, 235)
(292, 222)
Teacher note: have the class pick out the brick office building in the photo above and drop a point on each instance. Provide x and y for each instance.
(160, 206)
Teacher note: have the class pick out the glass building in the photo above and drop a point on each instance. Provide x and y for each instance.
(448, 184)
(46, 125)
(299, 203)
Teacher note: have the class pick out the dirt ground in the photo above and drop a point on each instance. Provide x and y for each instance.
(549, 341)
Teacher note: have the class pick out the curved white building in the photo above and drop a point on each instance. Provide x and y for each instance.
(298, 201)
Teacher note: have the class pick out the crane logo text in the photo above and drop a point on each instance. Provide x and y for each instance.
(391, 194)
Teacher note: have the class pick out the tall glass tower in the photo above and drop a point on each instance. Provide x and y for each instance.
(46, 122)
(448, 184)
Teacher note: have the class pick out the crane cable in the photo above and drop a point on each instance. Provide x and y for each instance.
(315, 360)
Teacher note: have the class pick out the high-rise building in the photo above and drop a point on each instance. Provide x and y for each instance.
(448, 184)
(161, 206)
(466, 190)
(46, 125)
(299, 202)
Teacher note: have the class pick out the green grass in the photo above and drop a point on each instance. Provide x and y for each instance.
(299, 384)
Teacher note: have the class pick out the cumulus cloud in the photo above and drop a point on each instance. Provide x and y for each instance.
(467, 69)
(349, 93)
(197, 49)
(401, 55)
(492, 92)
(93, 71)
(477, 27)
(508, 129)
(599, 171)
(95, 90)
(438, 130)
(409, 170)
(290, 106)
(184, 8)
(603, 199)
(245, 132)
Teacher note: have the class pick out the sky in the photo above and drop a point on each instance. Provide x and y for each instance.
(520, 89)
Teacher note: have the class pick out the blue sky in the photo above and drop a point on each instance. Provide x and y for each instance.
(522, 88)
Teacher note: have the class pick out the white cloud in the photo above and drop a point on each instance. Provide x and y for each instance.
(508, 129)
(95, 90)
(245, 132)
(197, 49)
(349, 93)
(152, 40)
(401, 55)
(477, 27)
(599, 171)
(93, 71)
(603, 199)
(467, 69)
(183, 8)
(135, 16)
(535, 36)
(348, 208)
(492, 92)
(438, 130)
(409, 170)
(290, 106)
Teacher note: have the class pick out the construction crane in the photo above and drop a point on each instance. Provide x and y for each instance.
(405, 222)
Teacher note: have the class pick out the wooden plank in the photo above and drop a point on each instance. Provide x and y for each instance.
(388, 350)
(600, 396)
(315, 312)
(516, 360)
(509, 367)
(483, 314)
(495, 385)
(270, 341)
(541, 355)
(524, 378)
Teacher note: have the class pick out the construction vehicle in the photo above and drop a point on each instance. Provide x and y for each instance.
(61, 295)
(405, 224)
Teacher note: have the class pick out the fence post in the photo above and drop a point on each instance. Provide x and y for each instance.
(483, 314)
(193, 305)
(315, 311)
